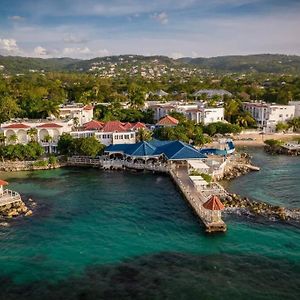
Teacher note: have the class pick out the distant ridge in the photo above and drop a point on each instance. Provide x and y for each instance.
(265, 63)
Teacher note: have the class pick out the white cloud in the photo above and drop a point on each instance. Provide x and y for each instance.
(40, 51)
(102, 52)
(162, 18)
(76, 52)
(176, 55)
(16, 18)
(71, 39)
(9, 46)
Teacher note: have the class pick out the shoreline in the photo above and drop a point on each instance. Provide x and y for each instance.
(233, 203)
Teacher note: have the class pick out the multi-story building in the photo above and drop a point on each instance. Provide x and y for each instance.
(112, 132)
(83, 113)
(268, 115)
(192, 111)
(206, 115)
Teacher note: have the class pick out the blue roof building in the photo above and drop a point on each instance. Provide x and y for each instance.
(171, 150)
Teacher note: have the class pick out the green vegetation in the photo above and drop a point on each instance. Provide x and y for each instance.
(31, 151)
(89, 146)
(293, 124)
(143, 135)
(41, 163)
(52, 160)
(197, 134)
(206, 177)
(273, 143)
(261, 63)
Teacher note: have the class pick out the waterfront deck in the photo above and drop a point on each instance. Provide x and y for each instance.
(179, 174)
(9, 197)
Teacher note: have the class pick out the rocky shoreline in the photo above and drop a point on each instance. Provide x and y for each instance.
(279, 150)
(15, 166)
(244, 206)
(14, 210)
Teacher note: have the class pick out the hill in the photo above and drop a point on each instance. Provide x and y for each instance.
(137, 64)
(265, 63)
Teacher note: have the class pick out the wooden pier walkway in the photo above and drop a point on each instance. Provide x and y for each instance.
(195, 198)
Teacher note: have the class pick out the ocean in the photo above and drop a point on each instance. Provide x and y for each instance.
(122, 235)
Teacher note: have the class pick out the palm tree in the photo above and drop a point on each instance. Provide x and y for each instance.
(76, 122)
(294, 123)
(144, 135)
(13, 138)
(2, 138)
(47, 138)
(32, 133)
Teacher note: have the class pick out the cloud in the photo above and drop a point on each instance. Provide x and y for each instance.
(9, 46)
(16, 18)
(176, 55)
(84, 52)
(71, 39)
(40, 51)
(162, 18)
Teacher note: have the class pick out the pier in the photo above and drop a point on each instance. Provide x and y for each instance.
(7, 196)
(211, 218)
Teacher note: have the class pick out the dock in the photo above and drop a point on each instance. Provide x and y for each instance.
(178, 173)
(196, 200)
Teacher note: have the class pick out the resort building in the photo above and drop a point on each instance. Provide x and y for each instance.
(169, 150)
(45, 132)
(206, 115)
(193, 111)
(111, 132)
(268, 115)
(81, 113)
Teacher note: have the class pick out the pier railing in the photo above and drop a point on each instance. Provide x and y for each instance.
(104, 162)
(8, 197)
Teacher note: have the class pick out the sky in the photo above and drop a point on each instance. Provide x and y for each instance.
(176, 28)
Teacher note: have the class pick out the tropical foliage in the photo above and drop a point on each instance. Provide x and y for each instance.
(31, 151)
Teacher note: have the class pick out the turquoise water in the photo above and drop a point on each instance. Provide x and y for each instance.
(117, 235)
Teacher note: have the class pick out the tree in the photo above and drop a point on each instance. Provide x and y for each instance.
(294, 123)
(144, 135)
(32, 133)
(2, 138)
(66, 145)
(76, 122)
(136, 96)
(90, 146)
(281, 126)
(47, 138)
(8, 108)
(12, 138)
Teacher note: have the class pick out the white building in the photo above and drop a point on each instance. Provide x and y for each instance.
(268, 115)
(111, 132)
(192, 111)
(47, 132)
(206, 115)
(297, 107)
(83, 113)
